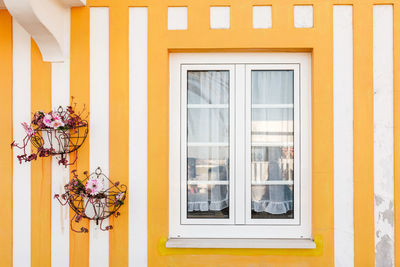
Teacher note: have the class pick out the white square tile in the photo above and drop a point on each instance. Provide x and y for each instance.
(177, 18)
(303, 16)
(262, 17)
(220, 17)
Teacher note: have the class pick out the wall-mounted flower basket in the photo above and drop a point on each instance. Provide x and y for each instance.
(58, 132)
(91, 199)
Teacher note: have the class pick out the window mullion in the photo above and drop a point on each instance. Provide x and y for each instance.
(247, 142)
(240, 166)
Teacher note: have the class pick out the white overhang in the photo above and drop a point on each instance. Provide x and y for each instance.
(45, 21)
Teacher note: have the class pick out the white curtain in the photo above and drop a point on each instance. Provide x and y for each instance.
(273, 199)
(272, 141)
(208, 125)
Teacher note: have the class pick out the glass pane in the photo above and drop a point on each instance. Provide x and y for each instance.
(208, 87)
(272, 126)
(208, 125)
(208, 145)
(208, 201)
(272, 86)
(266, 167)
(272, 202)
(272, 150)
(208, 163)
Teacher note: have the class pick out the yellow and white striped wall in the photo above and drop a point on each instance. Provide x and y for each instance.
(113, 56)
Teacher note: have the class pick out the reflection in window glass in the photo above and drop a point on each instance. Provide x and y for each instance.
(272, 150)
(208, 144)
(208, 125)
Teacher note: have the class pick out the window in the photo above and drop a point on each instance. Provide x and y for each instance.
(240, 145)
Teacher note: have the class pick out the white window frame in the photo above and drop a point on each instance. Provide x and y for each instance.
(238, 225)
(297, 121)
(184, 144)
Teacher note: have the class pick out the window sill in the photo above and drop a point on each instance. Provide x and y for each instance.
(240, 243)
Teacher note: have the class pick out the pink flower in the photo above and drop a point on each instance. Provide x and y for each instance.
(56, 116)
(28, 129)
(94, 186)
(56, 123)
(47, 120)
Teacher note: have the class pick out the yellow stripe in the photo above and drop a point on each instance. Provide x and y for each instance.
(79, 242)
(158, 132)
(363, 138)
(119, 125)
(6, 138)
(41, 168)
(322, 131)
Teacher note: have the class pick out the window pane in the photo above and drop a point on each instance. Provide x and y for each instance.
(208, 87)
(272, 86)
(272, 126)
(272, 202)
(272, 150)
(208, 144)
(209, 125)
(208, 163)
(266, 167)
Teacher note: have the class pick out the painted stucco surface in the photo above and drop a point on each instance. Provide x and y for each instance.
(373, 202)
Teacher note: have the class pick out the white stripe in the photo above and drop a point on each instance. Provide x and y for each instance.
(60, 93)
(21, 172)
(99, 120)
(383, 135)
(138, 137)
(343, 134)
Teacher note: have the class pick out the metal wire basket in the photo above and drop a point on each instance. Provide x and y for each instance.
(58, 133)
(86, 205)
(60, 141)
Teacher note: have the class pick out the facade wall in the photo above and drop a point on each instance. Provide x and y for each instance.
(355, 48)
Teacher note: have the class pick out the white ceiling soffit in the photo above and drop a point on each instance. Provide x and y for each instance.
(45, 21)
(71, 3)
